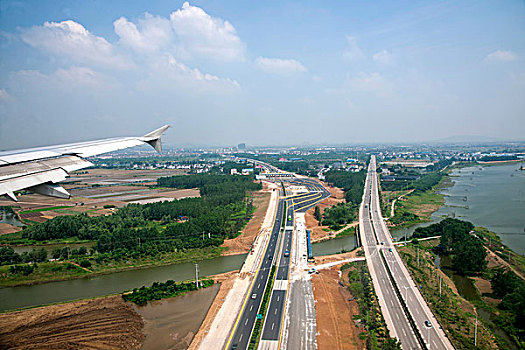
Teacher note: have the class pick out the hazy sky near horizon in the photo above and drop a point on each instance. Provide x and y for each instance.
(261, 72)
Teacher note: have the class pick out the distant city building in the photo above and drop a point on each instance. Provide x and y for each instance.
(241, 146)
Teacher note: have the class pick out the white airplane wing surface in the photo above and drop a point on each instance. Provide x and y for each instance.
(40, 169)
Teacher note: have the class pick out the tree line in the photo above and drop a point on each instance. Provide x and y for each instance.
(508, 287)
(353, 185)
(459, 240)
(220, 212)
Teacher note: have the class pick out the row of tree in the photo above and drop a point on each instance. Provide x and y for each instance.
(159, 290)
(220, 212)
(8, 256)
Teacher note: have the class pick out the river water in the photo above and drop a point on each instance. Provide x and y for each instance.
(488, 196)
(40, 294)
(172, 323)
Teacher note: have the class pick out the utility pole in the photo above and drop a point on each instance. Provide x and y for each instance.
(139, 242)
(476, 329)
(440, 284)
(197, 275)
(418, 256)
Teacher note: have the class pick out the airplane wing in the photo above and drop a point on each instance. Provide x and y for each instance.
(40, 169)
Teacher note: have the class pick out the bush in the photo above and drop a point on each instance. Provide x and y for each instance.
(85, 263)
(24, 269)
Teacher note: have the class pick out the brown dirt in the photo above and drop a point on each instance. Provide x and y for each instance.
(6, 228)
(334, 312)
(242, 243)
(336, 257)
(103, 323)
(317, 234)
(226, 281)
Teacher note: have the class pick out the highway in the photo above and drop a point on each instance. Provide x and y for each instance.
(272, 326)
(391, 306)
(433, 337)
(273, 322)
(244, 324)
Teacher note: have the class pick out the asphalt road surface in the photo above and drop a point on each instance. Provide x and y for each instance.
(243, 329)
(433, 337)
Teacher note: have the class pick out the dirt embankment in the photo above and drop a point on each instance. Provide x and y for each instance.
(226, 280)
(317, 234)
(103, 323)
(242, 243)
(334, 311)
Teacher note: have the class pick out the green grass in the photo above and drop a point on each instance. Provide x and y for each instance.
(44, 209)
(348, 232)
(449, 308)
(51, 271)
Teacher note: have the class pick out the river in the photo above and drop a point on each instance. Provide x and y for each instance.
(488, 196)
(53, 292)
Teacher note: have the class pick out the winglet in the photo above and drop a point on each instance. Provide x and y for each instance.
(153, 138)
(12, 196)
(156, 133)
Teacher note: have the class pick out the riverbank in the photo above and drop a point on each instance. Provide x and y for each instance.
(408, 208)
(53, 271)
(101, 323)
(455, 313)
(56, 271)
(109, 322)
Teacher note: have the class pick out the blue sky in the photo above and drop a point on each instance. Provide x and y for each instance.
(265, 73)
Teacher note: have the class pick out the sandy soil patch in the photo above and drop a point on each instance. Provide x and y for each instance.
(103, 323)
(334, 312)
(336, 257)
(226, 281)
(482, 285)
(242, 243)
(6, 228)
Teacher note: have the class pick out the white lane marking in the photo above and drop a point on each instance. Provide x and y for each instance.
(273, 325)
(246, 322)
(278, 298)
(275, 313)
(251, 307)
(258, 286)
(240, 338)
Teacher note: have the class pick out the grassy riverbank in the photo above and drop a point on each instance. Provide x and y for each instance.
(454, 313)
(416, 207)
(65, 270)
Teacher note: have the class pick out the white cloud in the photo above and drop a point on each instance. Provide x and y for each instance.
(279, 66)
(500, 56)
(152, 34)
(4, 96)
(167, 73)
(73, 78)
(199, 34)
(353, 52)
(70, 40)
(372, 82)
(383, 57)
